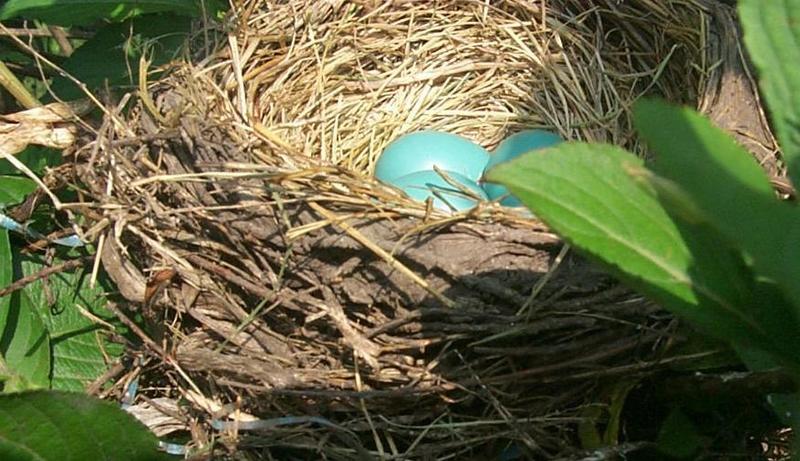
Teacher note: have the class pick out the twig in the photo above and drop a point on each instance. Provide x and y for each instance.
(61, 38)
(151, 344)
(383, 254)
(739, 384)
(30, 174)
(537, 288)
(44, 273)
(25, 32)
(97, 384)
(138, 332)
(230, 276)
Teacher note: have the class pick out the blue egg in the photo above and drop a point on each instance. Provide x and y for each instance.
(423, 184)
(422, 150)
(514, 146)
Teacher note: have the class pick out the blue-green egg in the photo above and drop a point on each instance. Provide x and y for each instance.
(512, 147)
(423, 184)
(423, 150)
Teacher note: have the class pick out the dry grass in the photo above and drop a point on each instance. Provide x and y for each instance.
(338, 82)
(235, 209)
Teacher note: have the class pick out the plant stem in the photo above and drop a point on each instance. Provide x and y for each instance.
(61, 38)
(10, 82)
(37, 32)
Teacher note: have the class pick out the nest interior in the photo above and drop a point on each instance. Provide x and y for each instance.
(234, 209)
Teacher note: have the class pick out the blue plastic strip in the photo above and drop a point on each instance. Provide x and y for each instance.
(73, 241)
(172, 448)
(130, 393)
(128, 399)
(10, 224)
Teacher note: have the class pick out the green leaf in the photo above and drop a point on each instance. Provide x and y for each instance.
(34, 157)
(14, 189)
(6, 276)
(80, 347)
(56, 425)
(733, 194)
(772, 36)
(604, 415)
(111, 57)
(592, 195)
(786, 406)
(83, 12)
(25, 346)
(679, 436)
(689, 146)
(16, 452)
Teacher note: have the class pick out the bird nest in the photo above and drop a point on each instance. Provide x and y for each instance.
(233, 206)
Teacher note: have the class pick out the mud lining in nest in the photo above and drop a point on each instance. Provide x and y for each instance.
(237, 214)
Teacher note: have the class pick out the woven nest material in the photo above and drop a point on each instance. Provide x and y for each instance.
(236, 212)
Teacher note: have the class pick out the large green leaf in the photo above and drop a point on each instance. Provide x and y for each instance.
(37, 158)
(111, 57)
(80, 347)
(82, 12)
(689, 146)
(590, 194)
(731, 191)
(54, 425)
(12, 451)
(25, 346)
(6, 275)
(14, 189)
(772, 35)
